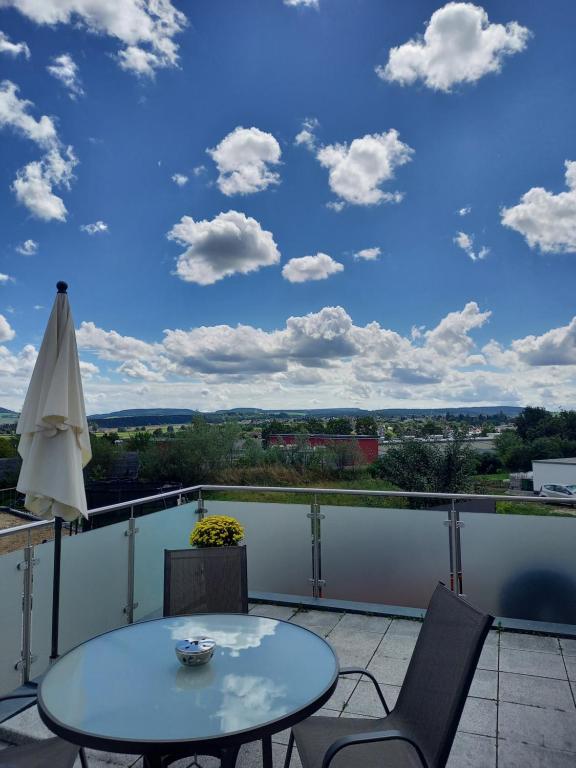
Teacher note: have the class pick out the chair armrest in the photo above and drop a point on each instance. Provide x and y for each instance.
(370, 738)
(360, 671)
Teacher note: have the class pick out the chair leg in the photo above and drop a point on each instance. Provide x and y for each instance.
(289, 749)
(83, 761)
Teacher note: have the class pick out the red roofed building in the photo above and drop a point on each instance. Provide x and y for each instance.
(367, 444)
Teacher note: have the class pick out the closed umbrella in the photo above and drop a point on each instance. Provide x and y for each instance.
(54, 443)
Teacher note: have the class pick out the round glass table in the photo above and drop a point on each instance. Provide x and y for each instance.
(126, 691)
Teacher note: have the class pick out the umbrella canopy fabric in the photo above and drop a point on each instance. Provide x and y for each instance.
(55, 443)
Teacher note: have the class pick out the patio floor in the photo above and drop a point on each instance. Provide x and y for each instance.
(521, 712)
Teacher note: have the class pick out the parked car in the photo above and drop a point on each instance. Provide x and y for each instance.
(559, 491)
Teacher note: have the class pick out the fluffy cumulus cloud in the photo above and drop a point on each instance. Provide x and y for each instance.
(367, 254)
(28, 248)
(180, 179)
(145, 29)
(65, 70)
(302, 3)
(555, 347)
(357, 170)
(228, 244)
(244, 158)
(6, 332)
(466, 243)
(307, 268)
(306, 137)
(547, 221)
(459, 45)
(13, 49)
(35, 182)
(96, 228)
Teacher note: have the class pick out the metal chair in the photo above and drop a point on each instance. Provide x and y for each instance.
(210, 580)
(421, 728)
(49, 753)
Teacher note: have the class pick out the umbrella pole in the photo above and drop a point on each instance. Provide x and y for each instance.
(56, 586)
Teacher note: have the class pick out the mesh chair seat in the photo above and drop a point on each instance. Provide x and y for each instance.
(314, 736)
(51, 753)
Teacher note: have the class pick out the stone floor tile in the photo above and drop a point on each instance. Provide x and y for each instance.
(327, 619)
(472, 751)
(492, 639)
(397, 646)
(568, 646)
(24, 728)
(361, 621)
(485, 684)
(365, 701)
(405, 627)
(488, 658)
(536, 691)
(387, 670)
(283, 612)
(341, 694)
(523, 642)
(109, 758)
(532, 663)
(570, 662)
(354, 649)
(513, 754)
(479, 717)
(547, 728)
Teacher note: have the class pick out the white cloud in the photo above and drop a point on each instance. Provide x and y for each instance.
(136, 369)
(307, 135)
(65, 69)
(13, 49)
(230, 243)
(98, 227)
(465, 211)
(450, 337)
(306, 268)
(110, 345)
(146, 28)
(6, 332)
(199, 170)
(547, 221)
(367, 254)
(179, 179)
(302, 3)
(555, 347)
(356, 171)
(243, 159)
(5, 278)
(459, 45)
(14, 113)
(336, 205)
(28, 248)
(466, 243)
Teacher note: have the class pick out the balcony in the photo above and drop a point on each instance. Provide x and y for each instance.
(349, 572)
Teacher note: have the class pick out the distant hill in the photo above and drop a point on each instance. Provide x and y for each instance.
(7, 416)
(476, 410)
(130, 412)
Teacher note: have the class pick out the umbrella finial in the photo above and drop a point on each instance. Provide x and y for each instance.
(62, 286)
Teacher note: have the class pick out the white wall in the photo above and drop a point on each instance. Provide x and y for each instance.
(546, 472)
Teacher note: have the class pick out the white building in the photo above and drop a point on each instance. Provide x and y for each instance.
(554, 472)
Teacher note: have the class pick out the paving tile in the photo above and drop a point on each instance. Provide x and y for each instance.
(354, 649)
(532, 663)
(387, 670)
(522, 642)
(536, 691)
(547, 728)
(365, 701)
(517, 755)
(341, 694)
(109, 758)
(492, 639)
(485, 684)
(405, 627)
(326, 619)
(472, 751)
(367, 623)
(24, 728)
(568, 646)
(398, 646)
(571, 667)
(283, 612)
(489, 657)
(479, 717)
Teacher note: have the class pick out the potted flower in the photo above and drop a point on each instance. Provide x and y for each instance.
(211, 577)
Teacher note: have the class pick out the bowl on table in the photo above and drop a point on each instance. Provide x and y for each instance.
(195, 651)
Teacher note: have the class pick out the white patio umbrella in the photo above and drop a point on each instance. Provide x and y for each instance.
(54, 443)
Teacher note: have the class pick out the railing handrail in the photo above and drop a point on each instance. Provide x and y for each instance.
(314, 491)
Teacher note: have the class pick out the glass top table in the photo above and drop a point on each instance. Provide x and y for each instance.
(125, 691)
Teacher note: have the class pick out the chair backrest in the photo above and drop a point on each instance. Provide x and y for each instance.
(440, 673)
(211, 580)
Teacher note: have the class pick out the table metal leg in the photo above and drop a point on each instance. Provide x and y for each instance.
(267, 752)
(228, 757)
(152, 761)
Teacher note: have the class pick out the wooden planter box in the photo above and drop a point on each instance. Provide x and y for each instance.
(205, 580)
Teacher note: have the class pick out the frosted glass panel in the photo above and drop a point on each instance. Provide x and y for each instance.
(521, 566)
(42, 608)
(11, 583)
(390, 556)
(277, 538)
(168, 529)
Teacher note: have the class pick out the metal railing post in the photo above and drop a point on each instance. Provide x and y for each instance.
(131, 533)
(200, 508)
(454, 524)
(26, 566)
(316, 517)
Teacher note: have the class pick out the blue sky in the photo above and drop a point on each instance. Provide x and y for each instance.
(429, 192)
